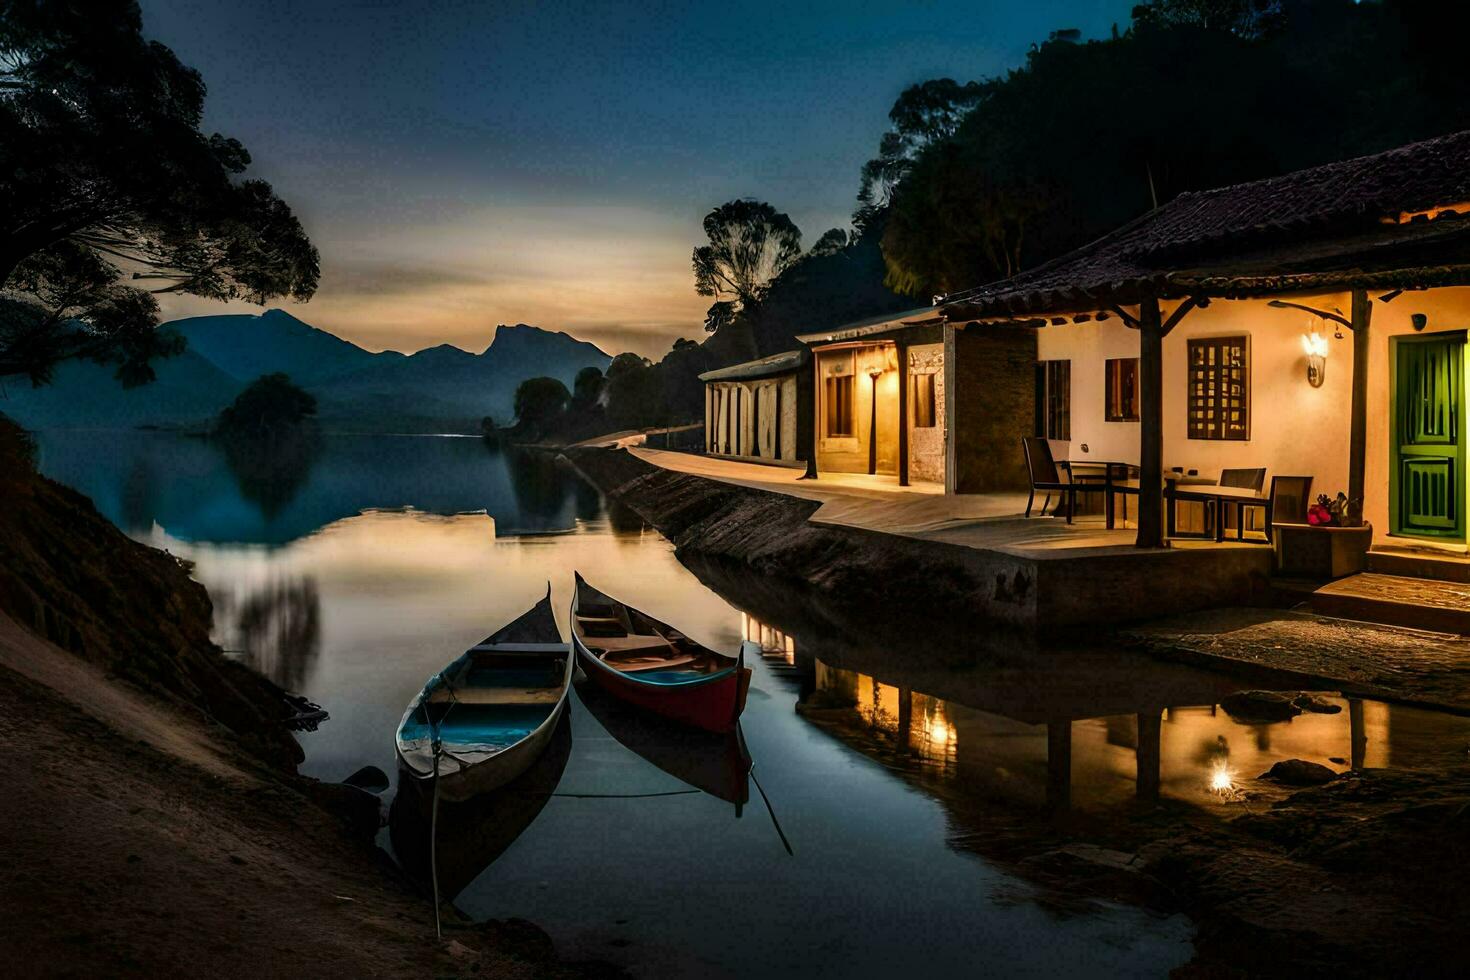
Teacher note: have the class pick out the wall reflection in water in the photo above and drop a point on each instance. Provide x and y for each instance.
(775, 645)
(1195, 754)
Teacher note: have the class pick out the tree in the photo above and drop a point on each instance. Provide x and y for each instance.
(586, 388)
(1245, 18)
(833, 240)
(539, 401)
(106, 180)
(270, 405)
(750, 243)
(923, 114)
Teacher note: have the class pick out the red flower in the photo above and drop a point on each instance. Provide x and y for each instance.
(1317, 515)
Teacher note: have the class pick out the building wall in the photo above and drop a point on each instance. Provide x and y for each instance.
(850, 454)
(992, 405)
(1448, 311)
(1295, 429)
(754, 431)
(926, 444)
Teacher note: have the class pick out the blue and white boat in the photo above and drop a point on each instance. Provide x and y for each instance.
(485, 718)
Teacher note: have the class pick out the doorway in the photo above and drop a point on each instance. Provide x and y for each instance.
(1427, 494)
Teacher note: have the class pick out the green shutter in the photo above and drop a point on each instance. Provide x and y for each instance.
(1429, 457)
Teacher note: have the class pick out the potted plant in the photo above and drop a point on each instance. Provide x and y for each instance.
(1324, 547)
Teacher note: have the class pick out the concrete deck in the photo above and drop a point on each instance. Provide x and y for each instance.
(1043, 572)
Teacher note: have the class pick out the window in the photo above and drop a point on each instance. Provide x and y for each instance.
(1054, 399)
(1219, 388)
(923, 401)
(838, 400)
(1122, 389)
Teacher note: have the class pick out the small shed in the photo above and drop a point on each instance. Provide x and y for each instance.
(760, 411)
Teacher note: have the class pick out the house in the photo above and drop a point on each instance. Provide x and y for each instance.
(1313, 324)
(760, 411)
(907, 399)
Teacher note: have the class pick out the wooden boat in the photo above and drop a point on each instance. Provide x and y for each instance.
(640, 660)
(488, 715)
(471, 835)
(717, 764)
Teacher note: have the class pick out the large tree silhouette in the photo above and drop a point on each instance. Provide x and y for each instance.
(110, 192)
(750, 243)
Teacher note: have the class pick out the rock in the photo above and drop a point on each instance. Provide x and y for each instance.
(1259, 706)
(1299, 772)
(370, 778)
(1314, 704)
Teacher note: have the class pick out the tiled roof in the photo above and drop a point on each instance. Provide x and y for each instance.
(1328, 227)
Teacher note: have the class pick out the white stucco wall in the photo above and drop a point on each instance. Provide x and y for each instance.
(1295, 429)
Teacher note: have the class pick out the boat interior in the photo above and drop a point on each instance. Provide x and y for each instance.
(487, 677)
(631, 642)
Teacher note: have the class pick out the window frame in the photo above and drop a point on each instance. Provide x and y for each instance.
(1054, 399)
(1207, 384)
(1112, 399)
(930, 403)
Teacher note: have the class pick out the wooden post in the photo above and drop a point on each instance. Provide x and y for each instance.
(1146, 754)
(1357, 733)
(1151, 430)
(1362, 314)
(903, 413)
(808, 405)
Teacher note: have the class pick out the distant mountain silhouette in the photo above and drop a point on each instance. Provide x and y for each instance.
(441, 388)
(245, 346)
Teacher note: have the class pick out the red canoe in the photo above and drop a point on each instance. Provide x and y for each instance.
(650, 664)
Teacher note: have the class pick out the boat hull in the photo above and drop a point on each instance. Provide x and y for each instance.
(490, 774)
(713, 705)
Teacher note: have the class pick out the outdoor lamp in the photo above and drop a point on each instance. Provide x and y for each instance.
(1315, 346)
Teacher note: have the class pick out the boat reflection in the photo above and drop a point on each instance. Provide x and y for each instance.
(717, 764)
(472, 834)
(1196, 754)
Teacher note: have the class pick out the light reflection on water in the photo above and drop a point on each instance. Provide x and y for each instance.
(388, 557)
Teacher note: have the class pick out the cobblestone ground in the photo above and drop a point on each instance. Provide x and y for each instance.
(1299, 649)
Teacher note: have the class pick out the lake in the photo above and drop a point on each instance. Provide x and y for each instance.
(353, 572)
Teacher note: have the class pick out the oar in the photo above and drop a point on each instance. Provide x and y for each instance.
(434, 837)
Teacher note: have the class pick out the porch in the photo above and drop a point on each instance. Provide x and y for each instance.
(1044, 573)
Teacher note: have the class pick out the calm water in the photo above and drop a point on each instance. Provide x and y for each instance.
(352, 573)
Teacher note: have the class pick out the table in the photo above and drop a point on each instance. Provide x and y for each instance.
(1111, 474)
(1217, 496)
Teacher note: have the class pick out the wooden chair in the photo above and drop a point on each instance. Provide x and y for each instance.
(1046, 476)
(1287, 502)
(1245, 479)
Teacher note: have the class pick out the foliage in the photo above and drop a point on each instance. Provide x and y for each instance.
(105, 174)
(923, 114)
(586, 388)
(270, 406)
(539, 401)
(1072, 144)
(750, 243)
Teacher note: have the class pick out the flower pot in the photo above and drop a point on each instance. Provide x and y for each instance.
(1320, 552)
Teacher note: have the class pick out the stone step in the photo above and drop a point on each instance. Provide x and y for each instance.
(1419, 563)
(1393, 600)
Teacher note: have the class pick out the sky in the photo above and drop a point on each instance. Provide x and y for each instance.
(464, 164)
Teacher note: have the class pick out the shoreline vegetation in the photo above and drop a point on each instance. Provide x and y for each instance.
(156, 820)
(1342, 876)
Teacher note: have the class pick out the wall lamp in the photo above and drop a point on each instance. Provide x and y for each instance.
(1315, 347)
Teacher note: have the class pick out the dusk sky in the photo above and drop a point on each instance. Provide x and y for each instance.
(463, 164)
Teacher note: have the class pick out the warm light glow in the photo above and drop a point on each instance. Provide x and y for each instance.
(1314, 344)
(1222, 781)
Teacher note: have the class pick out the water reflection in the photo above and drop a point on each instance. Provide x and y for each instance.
(1194, 754)
(199, 490)
(716, 764)
(278, 629)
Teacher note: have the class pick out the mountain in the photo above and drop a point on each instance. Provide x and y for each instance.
(189, 390)
(438, 389)
(451, 384)
(245, 346)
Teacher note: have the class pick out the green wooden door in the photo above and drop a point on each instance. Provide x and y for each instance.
(1429, 450)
